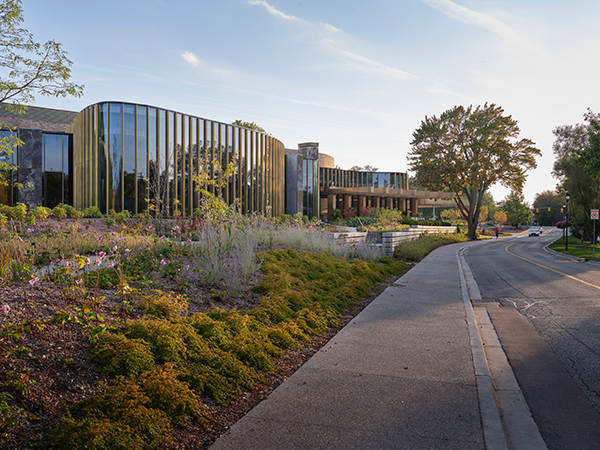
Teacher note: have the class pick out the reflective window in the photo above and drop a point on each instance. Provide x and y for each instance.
(142, 155)
(103, 155)
(129, 158)
(115, 149)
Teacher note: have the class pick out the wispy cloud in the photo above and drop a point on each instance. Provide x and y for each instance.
(466, 15)
(438, 89)
(355, 60)
(190, 58)
(368, 65)
(271, 10)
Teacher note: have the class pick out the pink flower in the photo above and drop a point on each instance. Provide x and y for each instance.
(187, 267)
(127, 250)
(98, 261)
(79, 281)
(34, 280)
(102, 254)
(115, 248)
(163, 262)
(5, 309)
(111, 264)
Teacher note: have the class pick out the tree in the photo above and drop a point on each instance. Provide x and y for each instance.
(466, 151)
(483, 214)
(450, 215)
(547, 205)
(366, 168)
(577, 167)
(516, 209)
(249, 125)
(500, 217)
(29, 68)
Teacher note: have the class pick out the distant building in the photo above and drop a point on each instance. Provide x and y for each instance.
(129, 156)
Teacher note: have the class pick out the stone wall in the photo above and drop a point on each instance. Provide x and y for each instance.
(43, 125)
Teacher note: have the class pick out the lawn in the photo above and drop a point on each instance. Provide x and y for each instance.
(577, 247)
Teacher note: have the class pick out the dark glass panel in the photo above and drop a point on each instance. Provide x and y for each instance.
(103, 155)
(171, 162)
(153, 165)
(53, 152)
(161, 188)
(115, 146)
(142, 158)
(67, 169)
(53, 188)
(129, 159)
(5, 191)
(243, 169)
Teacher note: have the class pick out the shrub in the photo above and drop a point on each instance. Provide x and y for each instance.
(167, 393)
(349, 213)
(120, 418)
(92, 212)
(120, 355)
(59, 212)
(41, 212)
(163, 304)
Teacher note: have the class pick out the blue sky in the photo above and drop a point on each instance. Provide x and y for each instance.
(358, 77)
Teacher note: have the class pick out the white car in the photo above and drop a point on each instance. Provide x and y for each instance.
(535, 233)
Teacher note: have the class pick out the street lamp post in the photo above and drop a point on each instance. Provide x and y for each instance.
(567, 196)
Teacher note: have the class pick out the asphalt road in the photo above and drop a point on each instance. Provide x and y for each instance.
(548, 323)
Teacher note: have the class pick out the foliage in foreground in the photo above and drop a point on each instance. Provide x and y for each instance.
(419, 248)
(163, 364)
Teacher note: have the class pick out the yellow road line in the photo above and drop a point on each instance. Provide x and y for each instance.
(549, 268)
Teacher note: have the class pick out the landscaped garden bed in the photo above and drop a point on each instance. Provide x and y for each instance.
(162, 333)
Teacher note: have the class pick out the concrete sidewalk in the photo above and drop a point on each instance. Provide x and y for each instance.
(399, 376)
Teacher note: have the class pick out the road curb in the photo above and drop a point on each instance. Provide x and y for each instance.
(512, 416)
(493, 432)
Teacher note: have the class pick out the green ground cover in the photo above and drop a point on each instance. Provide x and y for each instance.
(577, 247)
(425, 244)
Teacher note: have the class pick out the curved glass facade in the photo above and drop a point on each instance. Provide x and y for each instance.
(138, 158)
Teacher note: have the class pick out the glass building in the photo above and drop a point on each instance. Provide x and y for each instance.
(125, 156)
(138, 157)
(44, 168)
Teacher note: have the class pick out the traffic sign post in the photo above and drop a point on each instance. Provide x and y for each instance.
(594, 216)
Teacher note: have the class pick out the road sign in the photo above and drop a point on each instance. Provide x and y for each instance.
(594, 215)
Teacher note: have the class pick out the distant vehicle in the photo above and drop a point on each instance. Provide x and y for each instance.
(535, 233)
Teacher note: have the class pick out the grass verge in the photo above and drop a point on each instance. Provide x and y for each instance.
(419, 248)
(577, 248)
